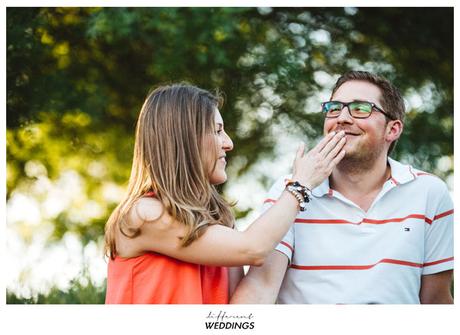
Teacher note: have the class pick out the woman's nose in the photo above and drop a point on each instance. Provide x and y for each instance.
(227, 145)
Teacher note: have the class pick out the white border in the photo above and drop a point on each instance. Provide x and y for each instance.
(310, 319)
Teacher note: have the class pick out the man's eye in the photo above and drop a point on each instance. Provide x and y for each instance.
(363, 109)
(335, 107)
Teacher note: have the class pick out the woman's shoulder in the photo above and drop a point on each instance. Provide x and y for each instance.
(147, 208)
(130, 238)
(143, 210)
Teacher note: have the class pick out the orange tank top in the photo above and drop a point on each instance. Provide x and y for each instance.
(158, 279)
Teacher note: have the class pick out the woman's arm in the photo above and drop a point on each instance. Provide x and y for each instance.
(220, 245)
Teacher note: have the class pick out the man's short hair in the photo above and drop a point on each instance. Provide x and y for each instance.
(391, 100)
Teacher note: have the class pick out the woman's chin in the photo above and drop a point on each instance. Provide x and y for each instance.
(218, 179)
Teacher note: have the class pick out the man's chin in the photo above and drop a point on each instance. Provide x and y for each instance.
(355, 156)
(350, 152)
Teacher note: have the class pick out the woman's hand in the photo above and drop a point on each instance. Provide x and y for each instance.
(312, 168)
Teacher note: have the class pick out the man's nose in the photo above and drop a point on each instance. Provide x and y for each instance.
(345, 116)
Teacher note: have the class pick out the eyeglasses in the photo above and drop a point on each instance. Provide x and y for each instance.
(357, 109)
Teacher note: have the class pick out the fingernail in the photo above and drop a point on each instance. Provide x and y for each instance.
(342, 132)
(333, 133)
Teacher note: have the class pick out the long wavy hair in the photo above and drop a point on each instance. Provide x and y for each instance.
(170, 160)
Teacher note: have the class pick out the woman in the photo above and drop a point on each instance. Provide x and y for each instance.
(171, 239)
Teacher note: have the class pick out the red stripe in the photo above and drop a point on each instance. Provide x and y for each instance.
(411, 216)
(443, 214)
(283, 253)
(369, 221)
(355, 267)
(324, 221)
(287, 245)
(424, 174)
(373, 221)
(394, 181)
(438, 262)
(266, 201)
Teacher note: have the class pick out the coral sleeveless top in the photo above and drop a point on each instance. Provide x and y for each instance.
(154, 278)
(157, 279)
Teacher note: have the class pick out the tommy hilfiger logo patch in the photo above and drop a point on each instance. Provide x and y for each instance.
(406, 229)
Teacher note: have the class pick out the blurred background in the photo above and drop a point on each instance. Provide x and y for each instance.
(77, 77)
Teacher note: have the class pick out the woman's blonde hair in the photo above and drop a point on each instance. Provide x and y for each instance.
(169, 160)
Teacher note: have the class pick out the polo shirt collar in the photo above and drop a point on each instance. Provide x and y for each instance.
(400, 174)
(322, 189)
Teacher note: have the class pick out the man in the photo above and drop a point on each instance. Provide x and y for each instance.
(376, 231)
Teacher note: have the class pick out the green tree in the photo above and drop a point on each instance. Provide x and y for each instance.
(77, 77)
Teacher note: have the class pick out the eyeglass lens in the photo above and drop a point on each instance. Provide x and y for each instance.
(357, 109)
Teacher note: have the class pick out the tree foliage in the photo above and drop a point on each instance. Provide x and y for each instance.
(78, 293)
(77, 77)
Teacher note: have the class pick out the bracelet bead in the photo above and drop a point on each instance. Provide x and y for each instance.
(300, 192)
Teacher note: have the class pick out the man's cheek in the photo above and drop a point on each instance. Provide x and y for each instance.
(328, 126)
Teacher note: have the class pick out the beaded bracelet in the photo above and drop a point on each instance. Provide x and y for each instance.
(300, 192)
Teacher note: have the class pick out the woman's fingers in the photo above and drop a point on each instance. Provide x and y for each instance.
(298, 157)
(331, 144)
(312, 168)
(321, 144)
(337, 159)
(335, 150)
(300, 150)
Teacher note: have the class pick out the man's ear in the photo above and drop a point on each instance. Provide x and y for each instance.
(393, 130)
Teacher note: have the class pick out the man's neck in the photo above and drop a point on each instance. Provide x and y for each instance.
(360, 180)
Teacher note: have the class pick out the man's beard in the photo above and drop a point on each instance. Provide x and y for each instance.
(361, 160)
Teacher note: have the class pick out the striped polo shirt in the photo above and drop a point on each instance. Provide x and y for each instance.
(340, 254)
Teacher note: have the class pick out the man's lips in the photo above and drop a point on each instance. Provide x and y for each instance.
(348, 133)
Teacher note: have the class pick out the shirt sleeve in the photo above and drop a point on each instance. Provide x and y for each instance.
(439, 244)
(286, 246)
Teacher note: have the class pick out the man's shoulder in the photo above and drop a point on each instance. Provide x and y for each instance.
(405, 173)
(429, 180)
(282, 179)
(279, 183)
(432, 186)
